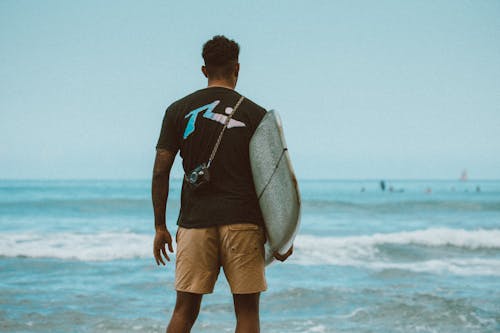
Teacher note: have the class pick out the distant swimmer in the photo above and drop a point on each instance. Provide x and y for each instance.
(395, 190)
(382, 185)
(478, 189)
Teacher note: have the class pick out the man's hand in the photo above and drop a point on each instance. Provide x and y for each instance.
(162, 237)
(283, 257)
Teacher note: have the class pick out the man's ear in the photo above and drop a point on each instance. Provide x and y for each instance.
(237, 69)
(204, 70)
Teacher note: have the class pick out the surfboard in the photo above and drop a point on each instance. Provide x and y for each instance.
(275, 184)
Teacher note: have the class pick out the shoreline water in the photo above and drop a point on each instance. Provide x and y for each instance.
(75, 257)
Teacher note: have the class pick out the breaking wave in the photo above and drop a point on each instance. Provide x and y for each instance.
(377, 251)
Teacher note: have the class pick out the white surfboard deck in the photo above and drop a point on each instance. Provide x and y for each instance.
(275, 184)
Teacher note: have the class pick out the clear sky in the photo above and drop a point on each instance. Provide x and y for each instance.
(366, 89)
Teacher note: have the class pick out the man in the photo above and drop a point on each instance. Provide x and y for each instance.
(220, 223)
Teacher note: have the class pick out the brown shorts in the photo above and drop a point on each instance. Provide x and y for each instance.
(238, 248)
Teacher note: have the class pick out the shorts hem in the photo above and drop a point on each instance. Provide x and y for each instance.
(193, 291)
(260, 290)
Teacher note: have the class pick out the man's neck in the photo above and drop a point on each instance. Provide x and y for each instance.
(221, 83)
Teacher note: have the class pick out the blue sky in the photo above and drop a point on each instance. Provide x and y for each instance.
(366, 89)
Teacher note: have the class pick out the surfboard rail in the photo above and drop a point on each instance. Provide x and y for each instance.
(275, 184)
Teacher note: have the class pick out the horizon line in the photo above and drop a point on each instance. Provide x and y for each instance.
(299, 179)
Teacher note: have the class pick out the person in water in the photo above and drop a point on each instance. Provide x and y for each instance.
(382, 185)
(220, 223)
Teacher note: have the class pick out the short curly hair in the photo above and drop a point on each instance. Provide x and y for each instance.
(220, 55)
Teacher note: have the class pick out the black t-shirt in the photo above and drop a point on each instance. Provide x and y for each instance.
(192, 125)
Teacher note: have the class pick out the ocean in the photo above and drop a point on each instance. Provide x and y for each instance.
(76, 256)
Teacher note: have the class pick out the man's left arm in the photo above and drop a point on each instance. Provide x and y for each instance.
(159, 194)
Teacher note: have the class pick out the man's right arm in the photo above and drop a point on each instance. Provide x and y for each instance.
(159, 193)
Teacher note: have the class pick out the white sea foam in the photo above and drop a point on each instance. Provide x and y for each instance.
(470, 239)
(364, 251)
(351, 314)
(359, 251)
(86, 247)
(317, 329)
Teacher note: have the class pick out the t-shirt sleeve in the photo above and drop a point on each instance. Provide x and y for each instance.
(257, 116)
(169, 138)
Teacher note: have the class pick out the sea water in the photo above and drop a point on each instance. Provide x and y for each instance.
(421, 256)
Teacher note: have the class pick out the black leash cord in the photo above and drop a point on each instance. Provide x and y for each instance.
(274, 171)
